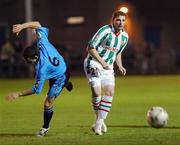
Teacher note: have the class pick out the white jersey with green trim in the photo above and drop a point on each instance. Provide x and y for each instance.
(108, 45)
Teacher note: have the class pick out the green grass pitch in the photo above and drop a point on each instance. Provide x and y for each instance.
(73, 117)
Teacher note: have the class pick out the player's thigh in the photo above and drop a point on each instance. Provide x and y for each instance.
(108, 82)
(48, 102)
(92, 74)
(96, 91)
(107, 78)
(108, 90)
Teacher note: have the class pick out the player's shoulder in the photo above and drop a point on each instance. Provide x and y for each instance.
(42, 29)
(105, 28)
(124, 33)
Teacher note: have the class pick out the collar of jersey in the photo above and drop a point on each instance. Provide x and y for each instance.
(117, 34)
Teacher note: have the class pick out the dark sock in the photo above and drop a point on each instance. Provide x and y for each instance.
(48, 113)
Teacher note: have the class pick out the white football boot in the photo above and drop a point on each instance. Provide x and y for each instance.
(104, 128)
(42, 132)
(97, 129)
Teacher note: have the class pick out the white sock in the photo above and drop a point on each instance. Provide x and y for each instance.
(99, 121)
(95, 103)
(105, 106)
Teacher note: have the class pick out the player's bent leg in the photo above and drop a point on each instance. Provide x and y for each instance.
(69, 86)
(94, 78)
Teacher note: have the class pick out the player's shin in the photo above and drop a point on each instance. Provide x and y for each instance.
(48, 113)
(95, 104)
(104, 107)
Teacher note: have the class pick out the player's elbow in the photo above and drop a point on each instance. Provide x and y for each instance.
(37, 23)
(87, 48)
(90, 49)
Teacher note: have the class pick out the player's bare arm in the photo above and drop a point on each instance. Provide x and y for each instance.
(19, 27)
(119, 64)
(94, 54)
(15, 95)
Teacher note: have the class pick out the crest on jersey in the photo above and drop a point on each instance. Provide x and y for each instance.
(123, 42)
(37, 83)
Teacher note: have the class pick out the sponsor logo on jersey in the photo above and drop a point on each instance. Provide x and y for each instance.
(112, 48)
(123, 42)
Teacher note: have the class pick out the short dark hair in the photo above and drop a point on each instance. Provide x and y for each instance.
(30, 52)
(117, 14)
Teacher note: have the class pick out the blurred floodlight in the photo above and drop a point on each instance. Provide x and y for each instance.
(75, 20)
(124, 9)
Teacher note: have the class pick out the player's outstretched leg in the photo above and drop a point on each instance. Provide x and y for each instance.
(48, 113)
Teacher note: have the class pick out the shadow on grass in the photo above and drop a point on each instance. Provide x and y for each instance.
(141, 126)
(16, 135)
(135, 126)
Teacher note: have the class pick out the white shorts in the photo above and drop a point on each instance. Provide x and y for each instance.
(97, 76)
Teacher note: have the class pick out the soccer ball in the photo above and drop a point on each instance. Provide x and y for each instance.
(157, 117)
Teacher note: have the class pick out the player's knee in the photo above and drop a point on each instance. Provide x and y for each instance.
(48, 103)
(97, 94)
(109, 93)
(48, 108)
(96, 91)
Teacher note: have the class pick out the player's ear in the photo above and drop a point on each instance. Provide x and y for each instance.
(36, 56)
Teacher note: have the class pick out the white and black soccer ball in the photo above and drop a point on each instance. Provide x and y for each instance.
(157, 117)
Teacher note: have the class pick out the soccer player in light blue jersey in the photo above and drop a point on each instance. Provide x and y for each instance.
(49, 65)
(105, 48)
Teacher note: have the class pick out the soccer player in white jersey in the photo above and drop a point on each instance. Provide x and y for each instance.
(104, 49)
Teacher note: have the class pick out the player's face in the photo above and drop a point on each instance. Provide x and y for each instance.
(119, 22)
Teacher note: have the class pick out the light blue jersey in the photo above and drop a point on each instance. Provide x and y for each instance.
(50, 64)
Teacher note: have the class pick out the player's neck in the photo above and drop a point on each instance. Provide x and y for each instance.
(116, 31)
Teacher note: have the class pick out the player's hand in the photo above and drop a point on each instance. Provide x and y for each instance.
(12, 96)
(106, 66)
(122, 70)
(17, 28)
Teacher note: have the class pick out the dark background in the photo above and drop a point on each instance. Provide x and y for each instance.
(153, 28)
